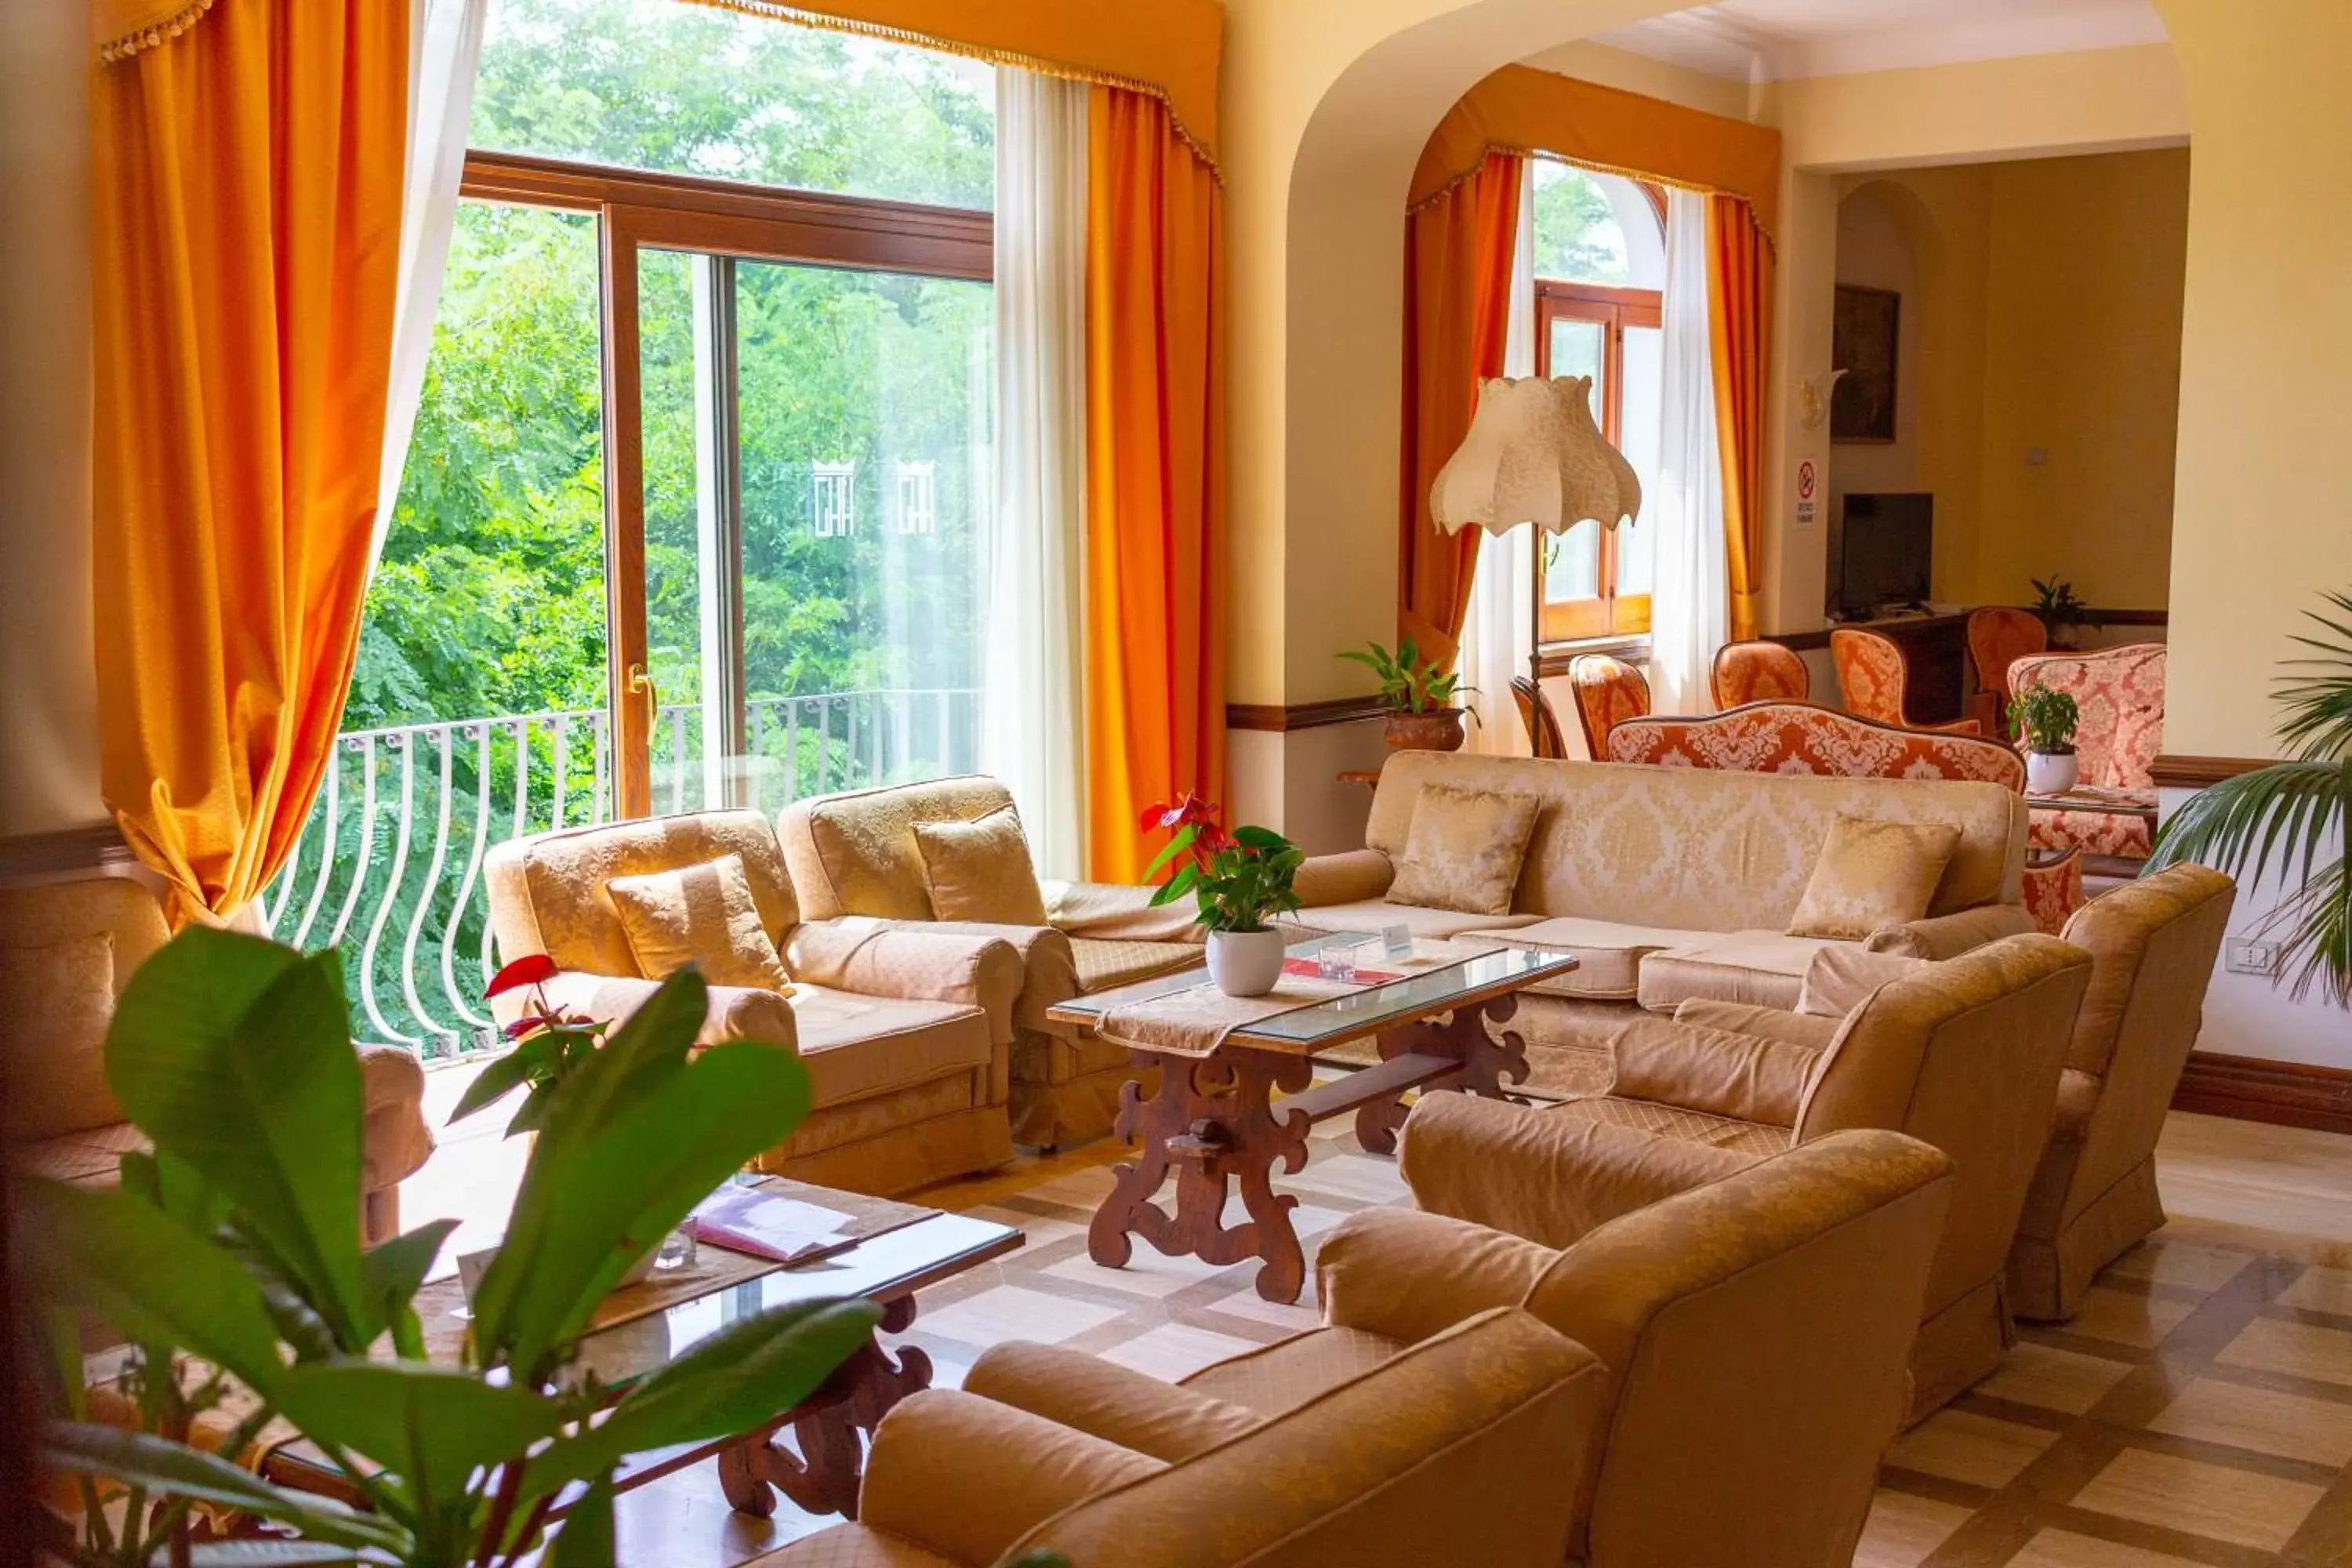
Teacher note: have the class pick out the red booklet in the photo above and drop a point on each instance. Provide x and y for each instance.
(1307, 969)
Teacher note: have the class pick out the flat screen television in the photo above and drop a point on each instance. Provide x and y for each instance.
(1888, 552)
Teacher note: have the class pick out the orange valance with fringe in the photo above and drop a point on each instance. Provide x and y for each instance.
(1519, 109)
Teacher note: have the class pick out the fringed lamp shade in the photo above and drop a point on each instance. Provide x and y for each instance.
(1533, 455)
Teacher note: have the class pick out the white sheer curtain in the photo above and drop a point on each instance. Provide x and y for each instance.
(445, 52)
(1689, 603)
(1034, 737)
(1496, 638)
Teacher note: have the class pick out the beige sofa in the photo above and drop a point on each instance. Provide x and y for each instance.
(905, 1034)
(67, 949)
(855, 862)
(1670, 884)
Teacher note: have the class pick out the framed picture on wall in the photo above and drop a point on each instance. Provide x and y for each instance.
(1864, 332)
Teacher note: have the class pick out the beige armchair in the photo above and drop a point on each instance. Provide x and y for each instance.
(67, 949)
(1963, 1055)
(855, 857)
(1753, 1318)
(2152, 945)
(1445, 1450)
(905, 1034)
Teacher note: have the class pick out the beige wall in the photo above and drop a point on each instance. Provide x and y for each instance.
(48, 751)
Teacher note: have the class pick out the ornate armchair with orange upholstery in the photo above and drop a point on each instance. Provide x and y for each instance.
(1536, 714)
(2119, 692)
(1804, 738)
(1874, 676)
(1999, 637)
(1756, 671)
(1607, 692)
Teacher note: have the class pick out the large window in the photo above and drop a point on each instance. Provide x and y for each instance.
(1601, 268)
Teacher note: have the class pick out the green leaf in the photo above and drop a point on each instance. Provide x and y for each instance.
(147, 1274)
(235, 1055)
(493, 1083)
(737, 1380)
(1178, 843)
(392, 1271)
(430, 1426)
(586, 1538)
(1253, 838)
(590, 1208)
(174, 1469)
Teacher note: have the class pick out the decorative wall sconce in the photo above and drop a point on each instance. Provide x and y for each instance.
(1813, 399)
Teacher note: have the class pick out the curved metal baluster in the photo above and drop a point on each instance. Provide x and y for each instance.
(600, 807)
(405, 741)
(469, 1018)
(561, 726)
(792, 750)
(522, 822)
(425, 894)
(367, 840)
(754, 775)
(327, 852)
(678, 758)
(946, 763)
(289, 873)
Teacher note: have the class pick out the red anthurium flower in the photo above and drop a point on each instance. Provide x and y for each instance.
(535, 969)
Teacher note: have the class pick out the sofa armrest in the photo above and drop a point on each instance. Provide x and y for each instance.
(1767, 1023)
(734, 1012)
(1113, 911)
(1407, 1275)
(1548, 1177)
(396, 1142)
(966, 1477)
(1350, 877)
(1106, 1400)
(1949, 936)
(913, 962)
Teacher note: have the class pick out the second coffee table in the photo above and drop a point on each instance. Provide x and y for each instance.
(1214, 1120)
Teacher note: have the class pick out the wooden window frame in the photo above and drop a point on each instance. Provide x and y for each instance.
(635, 209)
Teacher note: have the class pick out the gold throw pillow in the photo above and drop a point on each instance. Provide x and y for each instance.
(703, 914)
(1464, 849)
(981, 870)
(58, 999)
(1872, 874)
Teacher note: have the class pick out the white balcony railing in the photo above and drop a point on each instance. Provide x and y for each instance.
(389, 866)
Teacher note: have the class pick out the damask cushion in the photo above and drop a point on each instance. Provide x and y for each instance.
(1464, 849)
(981, 870)
(703, 914)
(1871, 874)
(56, 1001)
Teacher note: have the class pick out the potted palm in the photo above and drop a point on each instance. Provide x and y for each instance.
(2301, 808)
(2044, 723)
(1418, 695)
(2063, 613)
(1241, 880)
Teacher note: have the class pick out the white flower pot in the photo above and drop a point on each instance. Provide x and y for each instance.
(2051, 772)
(1246, 963)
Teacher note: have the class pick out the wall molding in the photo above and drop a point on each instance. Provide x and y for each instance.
(2170, 772)
(65, 851)
(1802, 642)
(2251, 1088)
(1274, 719)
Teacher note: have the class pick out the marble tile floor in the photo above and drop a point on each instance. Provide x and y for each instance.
(2197, 1412)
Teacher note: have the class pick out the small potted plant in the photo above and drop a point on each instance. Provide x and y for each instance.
(2044, 723)
(1242, 881)
(2063, 615)
(550, 1045)
(1418, 695)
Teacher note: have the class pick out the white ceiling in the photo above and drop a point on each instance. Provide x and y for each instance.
(1763, 40)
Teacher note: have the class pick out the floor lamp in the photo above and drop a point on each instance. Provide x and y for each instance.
(1533, 455)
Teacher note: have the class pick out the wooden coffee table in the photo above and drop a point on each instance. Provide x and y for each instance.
(1213, 1120)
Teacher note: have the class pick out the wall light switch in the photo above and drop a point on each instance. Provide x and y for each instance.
(2241, 955)
(2036, 456)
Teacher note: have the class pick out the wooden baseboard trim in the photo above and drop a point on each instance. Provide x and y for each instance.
(2285, 1094)
(1273, 718)
(2195, 773)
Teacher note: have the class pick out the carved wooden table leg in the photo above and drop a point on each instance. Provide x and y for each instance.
(832, 1427)
(1212, 1121)
(1487, 1061)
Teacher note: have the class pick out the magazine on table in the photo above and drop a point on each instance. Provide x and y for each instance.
(769, 1225)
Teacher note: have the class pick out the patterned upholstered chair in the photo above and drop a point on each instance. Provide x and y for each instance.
(1801, 738)
(2120, 694)
(1757, 672)
(1998, 637)
(1875, 678)
(1607, 692)
(1445, 1448)
(1535, 712)
(1964, 1054)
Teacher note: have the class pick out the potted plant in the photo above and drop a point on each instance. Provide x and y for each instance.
(550, 1046)
(1241, 881)
(2063, 615)
(2302, 808)
(235, 1244)
(2044, 723)
(1418, 695)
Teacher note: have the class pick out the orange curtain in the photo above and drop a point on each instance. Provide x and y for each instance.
(1457, 302)
(1739, 307)
(246, 221)
(1155, 634)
